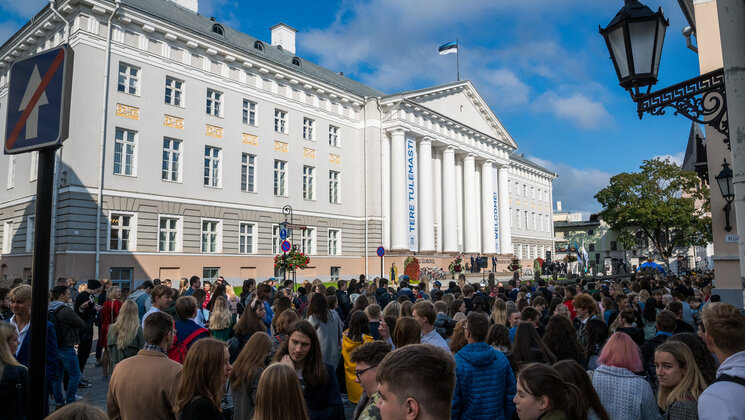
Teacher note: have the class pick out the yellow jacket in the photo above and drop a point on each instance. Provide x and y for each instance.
(354, 390)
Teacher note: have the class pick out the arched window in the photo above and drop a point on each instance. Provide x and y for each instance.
(259, 46)
(296, 61)
(218, 29)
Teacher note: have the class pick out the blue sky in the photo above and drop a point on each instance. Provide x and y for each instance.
(541, 65)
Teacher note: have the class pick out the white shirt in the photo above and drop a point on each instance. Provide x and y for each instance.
(21, 333)
(435, 339)
(152, 310)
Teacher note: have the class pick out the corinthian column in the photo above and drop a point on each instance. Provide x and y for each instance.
(398, 191)
(505, 236)
(426, 199)
(488, 244)
(449, 202)
(471, 243)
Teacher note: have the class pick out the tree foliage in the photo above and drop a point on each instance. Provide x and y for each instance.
(667, 204)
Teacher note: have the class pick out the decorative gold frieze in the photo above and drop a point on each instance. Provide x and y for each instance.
(127, 111)
(213, 131)
(250, 139)
(173, 122)
(281, 146)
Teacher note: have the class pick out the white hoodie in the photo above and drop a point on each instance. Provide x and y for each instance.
(724, 400)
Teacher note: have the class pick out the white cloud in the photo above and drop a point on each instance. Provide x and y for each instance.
(576, 188)
(676, 158)
(584, 112)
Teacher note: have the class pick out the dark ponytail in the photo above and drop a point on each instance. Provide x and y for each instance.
(539, 380)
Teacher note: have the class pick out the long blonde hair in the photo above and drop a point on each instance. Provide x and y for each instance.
(183, 285)
(692, 383)
(220, 315)
(127, 324)
(279, 395)
(499, 312)
(6, 356)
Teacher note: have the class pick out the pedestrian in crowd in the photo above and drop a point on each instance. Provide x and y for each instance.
(561, 339)
(393, 309)
(141, 296)
(220, 290)
(302, 351)
(723, 399)
(624, 394)
(194, 283)
(79, 411)
(222, 320)
(649, 318)
(499, 338)
(374, 314)
(406, 332)
(543, 394)
(573, 373)
(627, 320)
(282, 324)
(279, 395)
(416, 382)
(367, 357)
(597, 336)
(108, 315)
(680, 381)
(406, 307)
(328, 328)
(264, 293)
(203, 316)
(499, 312)
(86, 308)
(345, 305)
(125, 336)
(161, 297)
(202, 384)
(5, 312)
(586, 309)
(247, 369)
(183, 286)
(187, 331)
(14, 392)
(665, 328)
(382, 296)
(207, 287)
(356, 335)
(145, 385)
(67, 326)
(485, 384)
(251, 322)
(528, 348)
(457, 306)
(704, 360)
(424, 313)
(458, 340)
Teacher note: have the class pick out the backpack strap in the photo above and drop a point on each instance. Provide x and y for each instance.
(729, 378)
(193, 335)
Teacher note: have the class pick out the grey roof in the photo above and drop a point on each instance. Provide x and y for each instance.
(580, 224)
(185, 18)
(520, 157)
(443, 86)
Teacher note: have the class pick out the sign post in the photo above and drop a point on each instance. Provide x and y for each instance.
(37, 119)
(381, 253)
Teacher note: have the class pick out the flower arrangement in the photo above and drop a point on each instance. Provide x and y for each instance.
(514, 264)
(292, 260)
(456, 266)
(570, 258)
(411, 269)
(538, 266)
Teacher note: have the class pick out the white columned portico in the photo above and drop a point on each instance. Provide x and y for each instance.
(426, 199)
(385, 194)
(449, 202)
(459, 203)
(471, 244)
(398, 191)
(505, 236)
(488, 245)
(437, 174)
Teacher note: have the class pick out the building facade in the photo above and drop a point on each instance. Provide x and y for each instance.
(184, 151)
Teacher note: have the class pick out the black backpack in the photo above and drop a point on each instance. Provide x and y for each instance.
(52, 317)
(728, 378)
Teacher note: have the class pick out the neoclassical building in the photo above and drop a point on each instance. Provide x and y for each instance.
(184, 150)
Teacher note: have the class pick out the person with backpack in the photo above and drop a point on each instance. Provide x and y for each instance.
(144, 386)
(141, 296)
(67, 324)
(187, 331)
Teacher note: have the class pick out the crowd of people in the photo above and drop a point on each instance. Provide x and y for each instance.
(641, 348)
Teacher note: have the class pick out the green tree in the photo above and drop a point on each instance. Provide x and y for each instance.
(668, 204)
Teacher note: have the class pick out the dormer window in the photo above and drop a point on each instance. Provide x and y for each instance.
(259, 46)
(296, 61)
(218, 29)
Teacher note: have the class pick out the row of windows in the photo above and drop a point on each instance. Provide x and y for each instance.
(123, 235)
(529, 252)
(129, 82)
(540, 222)
(125, 147)
(542, 194)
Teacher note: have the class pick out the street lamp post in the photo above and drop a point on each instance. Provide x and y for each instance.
(726, 187)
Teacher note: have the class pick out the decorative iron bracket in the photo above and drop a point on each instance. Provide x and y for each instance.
(709, 108)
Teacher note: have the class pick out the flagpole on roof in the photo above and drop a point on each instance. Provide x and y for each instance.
(457, 59)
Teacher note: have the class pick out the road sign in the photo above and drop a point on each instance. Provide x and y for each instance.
(380, 251)
(283, 234)
(38, 101)
(286, 246)
(294, 226)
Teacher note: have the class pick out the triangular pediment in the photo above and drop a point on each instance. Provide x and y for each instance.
(460, 102)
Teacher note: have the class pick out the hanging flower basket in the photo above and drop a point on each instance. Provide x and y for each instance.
(570, 258)
(411, 269)
(514, 264)
(456, 267)
(291, 261)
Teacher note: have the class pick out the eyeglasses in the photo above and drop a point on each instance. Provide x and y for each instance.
(360, 372)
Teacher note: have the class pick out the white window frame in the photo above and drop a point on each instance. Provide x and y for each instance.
(34, 167)
(177, 96)
(334, 187)
(534, 222)
(527, 221)
(276, 241)
(124, 86)
(179, 232)
(517, 218)
(337, 239)
(213, 103)
(179, 161)
(254, 238)
(280, 184)
(280, 121)
(7, 236)
(334, 136)
(214, 177)
(218, 235)
(132, 240)
(250, 109)
(309, 129)
(124, 142)
(532, 192)
(309, 182)
(10, 182)
(308, 234)
(30, 225)
(250, 167)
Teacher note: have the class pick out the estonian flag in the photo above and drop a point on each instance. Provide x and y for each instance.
(449, 48)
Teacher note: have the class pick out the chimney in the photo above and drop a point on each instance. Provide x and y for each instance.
(283, 36)
(558, 205)
(192, 5)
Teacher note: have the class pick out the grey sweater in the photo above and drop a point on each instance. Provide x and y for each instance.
(330, 335)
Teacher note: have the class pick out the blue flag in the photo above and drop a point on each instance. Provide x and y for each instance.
(449, 48)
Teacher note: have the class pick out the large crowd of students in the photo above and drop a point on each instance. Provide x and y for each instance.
(645, 347)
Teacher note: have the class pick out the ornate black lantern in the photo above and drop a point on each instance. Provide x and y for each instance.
(727, 188)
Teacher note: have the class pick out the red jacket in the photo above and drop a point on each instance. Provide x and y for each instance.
(109, 313)
(569, 304)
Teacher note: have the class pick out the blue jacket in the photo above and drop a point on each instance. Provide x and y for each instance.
(52, 358)
(405, 291)
(484, 384)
